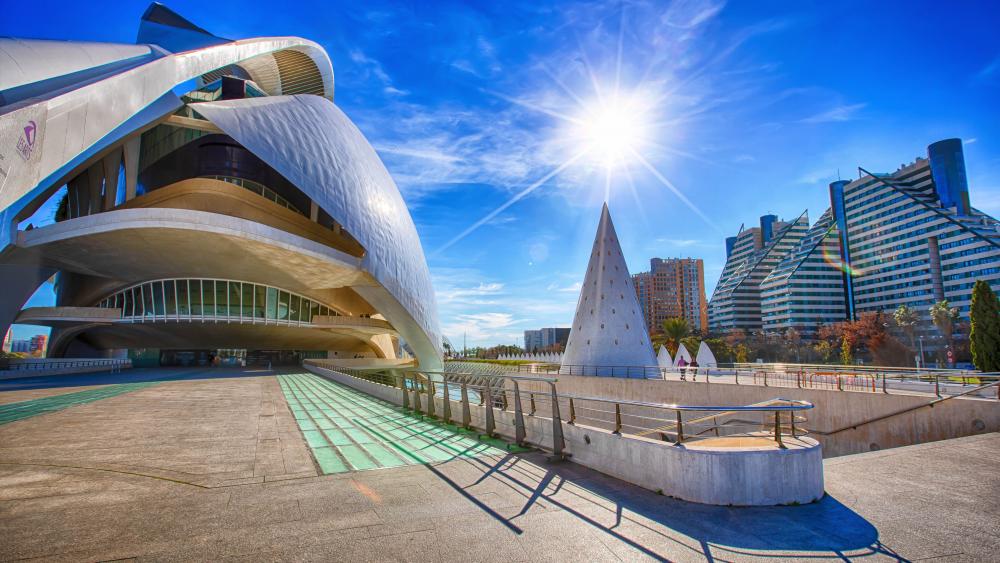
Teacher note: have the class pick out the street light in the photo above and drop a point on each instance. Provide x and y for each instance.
(921, 364)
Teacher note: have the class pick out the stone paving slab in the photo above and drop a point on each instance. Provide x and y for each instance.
(935, 500)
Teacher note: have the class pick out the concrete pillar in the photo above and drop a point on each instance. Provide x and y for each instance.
(76, 196)
(19, 283)
(131, 166)
(95, 184)
(111, 164)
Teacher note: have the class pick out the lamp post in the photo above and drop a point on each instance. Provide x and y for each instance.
(921, 352)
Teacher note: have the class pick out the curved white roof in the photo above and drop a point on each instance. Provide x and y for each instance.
(315, 146)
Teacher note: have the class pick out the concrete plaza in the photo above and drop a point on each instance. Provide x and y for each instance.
(214, 465)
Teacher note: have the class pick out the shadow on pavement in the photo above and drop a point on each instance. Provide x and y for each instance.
(824, 527)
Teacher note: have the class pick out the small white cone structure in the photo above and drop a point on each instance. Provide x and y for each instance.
(682, 352)
(706, 358)
(663, 359)
(608, 328)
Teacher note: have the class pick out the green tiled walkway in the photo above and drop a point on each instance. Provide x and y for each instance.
(26, 409)
(348, 430)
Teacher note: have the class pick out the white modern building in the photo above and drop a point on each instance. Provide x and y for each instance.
(751, 256)
(910, 237)
(210, 194)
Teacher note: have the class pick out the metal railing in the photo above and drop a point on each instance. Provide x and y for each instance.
(27, 364)
(527, 396)
(870, 379)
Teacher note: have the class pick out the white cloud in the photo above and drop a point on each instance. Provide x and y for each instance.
(843, 112)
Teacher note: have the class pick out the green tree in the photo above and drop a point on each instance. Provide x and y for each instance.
(984, 337)
(824, 350)
(846, 357)
(675, 329)
(944, 316)
(906, 319)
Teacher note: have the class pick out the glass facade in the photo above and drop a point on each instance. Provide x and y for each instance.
(214, 300)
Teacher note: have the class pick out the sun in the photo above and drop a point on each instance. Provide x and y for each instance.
(611, 131)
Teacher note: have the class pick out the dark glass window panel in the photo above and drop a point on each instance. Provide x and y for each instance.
(294, 308)
(194, 292)
(260, 305)
(127, 303)
(272, 303)
(147, 299)
(248, 300)
(170, 296)
(313, 310)
(221, 299)
(137, 300)
(282, 306)
(183, 306)
(208, 297)
(158, 298)
(234, 299)
(306, 311)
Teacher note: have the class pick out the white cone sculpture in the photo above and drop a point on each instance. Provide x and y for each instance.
(682, 353)
(608, 329)
(663, 359)
(705, 356)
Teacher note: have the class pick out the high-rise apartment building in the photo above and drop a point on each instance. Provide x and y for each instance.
(673, 287)
(38, 343)
(752, 255)
(806, 288)
(908, 238)
(545, 338)
(8, 340)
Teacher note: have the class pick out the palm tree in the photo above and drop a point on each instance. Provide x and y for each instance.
(944, 318)
(675, 329)
(907, 319)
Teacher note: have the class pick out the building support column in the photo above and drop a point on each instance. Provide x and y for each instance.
(112, 165)
(19, 283)
(131, 166)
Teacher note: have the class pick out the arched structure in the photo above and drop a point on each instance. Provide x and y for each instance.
(211, 163)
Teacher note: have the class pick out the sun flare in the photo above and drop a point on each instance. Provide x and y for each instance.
(611, 131)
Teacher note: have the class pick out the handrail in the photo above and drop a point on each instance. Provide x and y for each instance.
(47, 364)
(906, 410)
(796, 405)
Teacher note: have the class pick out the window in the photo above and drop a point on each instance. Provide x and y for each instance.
(147, 300)
(294, 308)
(170, 297)
(234, 299)
(127, 308)
(221, 299)
(272, 303)
(260, 301)
(247, 301)
(158, 298)
(282, 306)
(183, 305)
(208, 297)
(195, 296)
(307, 312)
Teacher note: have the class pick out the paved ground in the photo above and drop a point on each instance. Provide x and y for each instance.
(211, 465)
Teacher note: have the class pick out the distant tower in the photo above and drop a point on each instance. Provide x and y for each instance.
(608, 328)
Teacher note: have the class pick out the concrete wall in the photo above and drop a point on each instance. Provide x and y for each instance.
(833, 409)
(745, 477)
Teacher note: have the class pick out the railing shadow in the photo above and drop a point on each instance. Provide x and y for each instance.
(630, 514)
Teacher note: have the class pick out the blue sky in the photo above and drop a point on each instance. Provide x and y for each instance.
(744, 108)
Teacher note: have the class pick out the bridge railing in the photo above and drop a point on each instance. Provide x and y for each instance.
(527, 397)
(54, 364)
(870, 379)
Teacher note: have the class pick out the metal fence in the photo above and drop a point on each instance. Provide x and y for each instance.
(36, 365)
(870, 379)
(532, 396)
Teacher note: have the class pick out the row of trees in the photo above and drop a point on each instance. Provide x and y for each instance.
(878, 338)
(873, 337)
